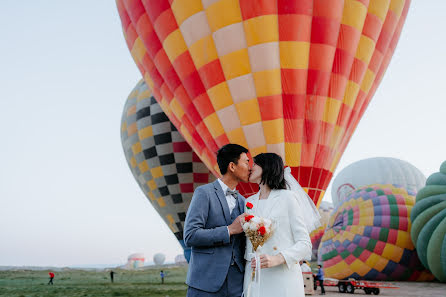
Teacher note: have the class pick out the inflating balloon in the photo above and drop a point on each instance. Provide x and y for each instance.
(284, 76)
(163, 164)
(316, 236)
(380, 170)
(325, 209)
(368, 237)
(429, 224)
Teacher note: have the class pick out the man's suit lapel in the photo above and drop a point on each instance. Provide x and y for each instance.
(223, 202)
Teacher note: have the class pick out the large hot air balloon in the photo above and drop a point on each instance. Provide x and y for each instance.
(163, 164)
(368, 237)
(429, 224)
(380, 170)
(284, 76)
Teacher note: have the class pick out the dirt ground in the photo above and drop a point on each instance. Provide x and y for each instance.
(407, 289)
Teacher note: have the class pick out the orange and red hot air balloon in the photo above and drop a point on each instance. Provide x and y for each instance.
(287, 76)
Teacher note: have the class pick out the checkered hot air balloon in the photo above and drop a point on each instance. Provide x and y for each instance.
(368, 237)
(429, 224)
(163, 164)
(284, 76)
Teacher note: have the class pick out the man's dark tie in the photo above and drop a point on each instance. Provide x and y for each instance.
(233, 193)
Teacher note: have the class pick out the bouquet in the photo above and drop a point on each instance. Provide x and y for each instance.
(258, 230)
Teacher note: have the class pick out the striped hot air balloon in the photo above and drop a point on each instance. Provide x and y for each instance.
(163, 164)
(284, 76)
(429, 224)
(368, 237)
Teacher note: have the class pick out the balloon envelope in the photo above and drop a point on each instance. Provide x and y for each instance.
(429, 224)
(162, 163)
(159, 259)
(380, 170)
(284, 76)
(325, 209)
(135, 261)
(368, 237)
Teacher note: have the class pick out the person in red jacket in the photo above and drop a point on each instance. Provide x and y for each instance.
(51, 278)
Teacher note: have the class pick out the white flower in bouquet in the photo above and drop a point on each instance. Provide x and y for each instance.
(256, 220)
(267, 223)
(253, 226)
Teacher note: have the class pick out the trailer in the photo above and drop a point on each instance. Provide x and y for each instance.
(350, 285)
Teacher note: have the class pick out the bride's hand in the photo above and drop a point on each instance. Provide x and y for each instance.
(267, 261)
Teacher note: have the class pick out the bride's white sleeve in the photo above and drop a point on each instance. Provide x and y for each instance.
(302, 242)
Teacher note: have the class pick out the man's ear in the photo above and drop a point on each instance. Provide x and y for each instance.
(231, 166)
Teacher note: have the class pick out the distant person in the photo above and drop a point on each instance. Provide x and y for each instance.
(51, 278)
(305, 267)
(320, 278)
(112, 274)
(162, 276)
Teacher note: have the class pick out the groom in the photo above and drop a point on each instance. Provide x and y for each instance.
(214, 231)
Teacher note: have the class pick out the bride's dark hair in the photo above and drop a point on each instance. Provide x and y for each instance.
(272, 170)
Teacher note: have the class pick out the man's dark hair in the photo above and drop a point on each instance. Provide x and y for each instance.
(229, 153)
(273, 173)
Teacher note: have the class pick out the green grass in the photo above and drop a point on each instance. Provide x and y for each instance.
(26, 283)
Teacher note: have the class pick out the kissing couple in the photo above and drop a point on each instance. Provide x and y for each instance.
(222, 261)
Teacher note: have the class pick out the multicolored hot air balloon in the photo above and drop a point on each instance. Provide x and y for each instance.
(368, 237)
(379, 170)
(429, 224)
(284, 76)
(135, 261)
(163, 164)
(325, 209)
(316, 236)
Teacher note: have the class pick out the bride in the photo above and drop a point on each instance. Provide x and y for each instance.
(293, 214)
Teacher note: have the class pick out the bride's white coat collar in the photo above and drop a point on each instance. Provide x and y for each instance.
(272, 195)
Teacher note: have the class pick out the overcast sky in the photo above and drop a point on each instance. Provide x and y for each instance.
(67, 196)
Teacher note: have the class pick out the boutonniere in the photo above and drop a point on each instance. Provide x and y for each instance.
(249, 205)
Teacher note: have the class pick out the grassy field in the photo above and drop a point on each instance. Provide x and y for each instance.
(26, 283)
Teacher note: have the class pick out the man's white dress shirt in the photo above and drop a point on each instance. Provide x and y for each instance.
(229, 198)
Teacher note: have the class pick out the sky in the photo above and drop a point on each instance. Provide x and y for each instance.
(67, 196)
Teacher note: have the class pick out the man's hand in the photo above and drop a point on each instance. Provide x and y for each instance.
(268, 261)
(237, 226)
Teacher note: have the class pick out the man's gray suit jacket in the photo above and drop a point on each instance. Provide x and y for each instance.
(206, 232)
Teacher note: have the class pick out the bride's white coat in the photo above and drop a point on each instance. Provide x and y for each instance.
(290, 238)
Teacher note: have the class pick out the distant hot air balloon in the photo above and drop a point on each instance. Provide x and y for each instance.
(284, 76)
(180, 260)
(368, 237)
(135, 261)
(325, 209)
(159, 259)
(429, 224)
(163, 164)
(380, 170)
